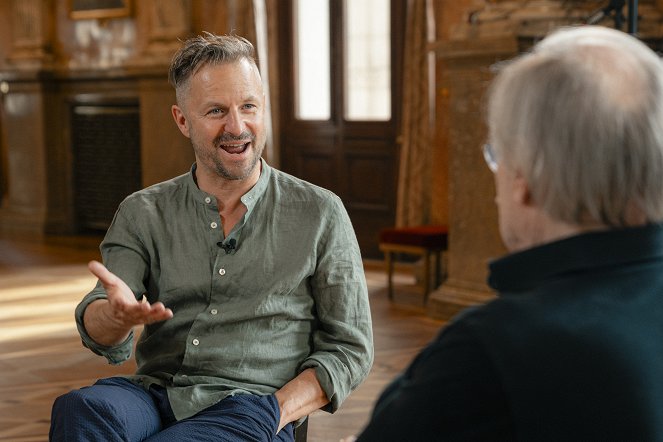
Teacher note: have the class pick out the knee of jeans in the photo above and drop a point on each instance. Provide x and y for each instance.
(77, 416)
(67, 404)
(78, 403)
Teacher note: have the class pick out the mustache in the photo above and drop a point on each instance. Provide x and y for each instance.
(225, 137)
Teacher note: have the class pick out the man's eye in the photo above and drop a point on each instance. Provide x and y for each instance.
(215, 111)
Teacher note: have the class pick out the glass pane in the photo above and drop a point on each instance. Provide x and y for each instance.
(368, 61)
(312, 60)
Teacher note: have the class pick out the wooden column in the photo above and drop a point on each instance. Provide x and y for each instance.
(25, 206)
(32, 198)
(474, 237)
(493, 32)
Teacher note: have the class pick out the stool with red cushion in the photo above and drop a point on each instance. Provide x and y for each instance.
(419, 240)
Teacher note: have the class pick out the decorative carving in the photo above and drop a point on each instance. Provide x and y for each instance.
(531, 20)
(31, 32)
(167, 21)
(85, 9)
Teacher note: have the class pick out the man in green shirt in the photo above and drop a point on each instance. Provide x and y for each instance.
(248, 282)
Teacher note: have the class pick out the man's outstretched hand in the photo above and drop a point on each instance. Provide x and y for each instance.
(110, 321)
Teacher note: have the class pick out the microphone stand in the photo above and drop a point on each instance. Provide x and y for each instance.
(617, 7)
(632, 17)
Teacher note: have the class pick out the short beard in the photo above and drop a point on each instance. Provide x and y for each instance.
(226, 174)
(220, 169)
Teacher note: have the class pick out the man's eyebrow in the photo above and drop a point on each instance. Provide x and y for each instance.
(214, 103)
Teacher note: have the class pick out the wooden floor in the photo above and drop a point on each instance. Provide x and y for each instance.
(41, 356)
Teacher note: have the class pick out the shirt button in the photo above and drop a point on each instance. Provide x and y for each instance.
(195, 342)
(208, 199)
(214, 311)
(213, 225)
(222, 272)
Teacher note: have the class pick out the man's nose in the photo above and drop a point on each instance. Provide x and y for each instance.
(234, 123)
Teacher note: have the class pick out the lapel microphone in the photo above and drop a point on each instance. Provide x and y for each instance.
(229, 246)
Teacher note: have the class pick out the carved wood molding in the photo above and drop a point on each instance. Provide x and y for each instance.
(32, 32)
(169, 19)
(167, 22)
(532, 20)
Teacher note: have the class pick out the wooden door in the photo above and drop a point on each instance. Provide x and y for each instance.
(356, 159)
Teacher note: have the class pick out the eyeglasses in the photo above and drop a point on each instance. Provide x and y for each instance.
(490, 157)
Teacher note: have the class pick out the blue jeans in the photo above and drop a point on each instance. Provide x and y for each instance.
(115, 409)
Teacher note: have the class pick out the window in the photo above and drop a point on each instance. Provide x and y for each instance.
(312, 60)
(366, 60)
(367, 66)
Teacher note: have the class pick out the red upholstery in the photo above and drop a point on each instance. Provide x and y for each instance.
(430, 237)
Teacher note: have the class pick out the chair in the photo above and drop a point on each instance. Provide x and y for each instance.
(423, 241)
(300, 431)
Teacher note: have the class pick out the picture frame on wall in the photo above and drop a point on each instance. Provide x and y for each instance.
(87, 9)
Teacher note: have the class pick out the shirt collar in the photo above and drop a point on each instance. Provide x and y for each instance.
(249, 199)
(529, 268)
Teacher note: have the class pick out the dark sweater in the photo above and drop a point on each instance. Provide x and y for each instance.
(572, 349)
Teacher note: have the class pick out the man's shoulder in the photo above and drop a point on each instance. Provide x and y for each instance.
(298, 188)
(155, 193)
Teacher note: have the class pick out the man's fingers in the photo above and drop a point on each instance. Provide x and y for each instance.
(159, 314)
(101, 272)
(156, 312)
(126, 308)
(158, 309)
(143, 313)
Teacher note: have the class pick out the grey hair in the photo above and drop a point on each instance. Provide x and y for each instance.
(581, 117)
(203, 50)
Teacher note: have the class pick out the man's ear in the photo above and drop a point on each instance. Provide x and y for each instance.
(521, 191)
(180, 120)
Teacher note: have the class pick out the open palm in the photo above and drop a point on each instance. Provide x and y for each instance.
(125, 310)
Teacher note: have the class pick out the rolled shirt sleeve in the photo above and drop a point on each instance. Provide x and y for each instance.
(343, 342)
(123, 252)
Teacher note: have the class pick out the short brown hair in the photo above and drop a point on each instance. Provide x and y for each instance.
(207, 49)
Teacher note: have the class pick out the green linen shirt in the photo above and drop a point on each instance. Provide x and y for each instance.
(289, 296)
